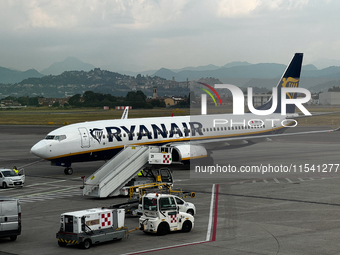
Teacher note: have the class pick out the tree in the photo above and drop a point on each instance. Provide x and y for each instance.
(33, 101)
(157, 103)
(89, 98)
(138, 96)
(24, 100)
(74, 100)
(56, 104)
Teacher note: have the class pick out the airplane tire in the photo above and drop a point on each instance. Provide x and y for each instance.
(68, 171)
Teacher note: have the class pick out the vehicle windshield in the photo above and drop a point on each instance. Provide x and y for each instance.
(9, 173)
(150, 204)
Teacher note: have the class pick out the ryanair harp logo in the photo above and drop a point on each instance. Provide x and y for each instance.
(290, 83)
(97, 134)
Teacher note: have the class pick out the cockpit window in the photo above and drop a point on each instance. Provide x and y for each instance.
(60, 137)
(55, 137)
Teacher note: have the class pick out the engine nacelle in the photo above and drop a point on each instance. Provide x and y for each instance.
(188, 152)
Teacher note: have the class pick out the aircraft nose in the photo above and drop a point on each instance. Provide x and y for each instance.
(39, 149)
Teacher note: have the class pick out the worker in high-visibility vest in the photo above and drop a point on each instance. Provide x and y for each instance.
(16, 170)
(140, 173)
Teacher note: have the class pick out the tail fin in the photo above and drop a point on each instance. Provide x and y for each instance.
(290, 78)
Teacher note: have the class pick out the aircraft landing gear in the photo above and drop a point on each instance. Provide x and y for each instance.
(209, 159)
(68, 170)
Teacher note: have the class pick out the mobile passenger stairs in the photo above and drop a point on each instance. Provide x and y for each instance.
(117, 173)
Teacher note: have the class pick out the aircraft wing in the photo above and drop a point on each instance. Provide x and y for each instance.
(239, 140)
(296, 116)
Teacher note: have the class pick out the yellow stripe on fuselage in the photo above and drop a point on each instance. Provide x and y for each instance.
(172, 140)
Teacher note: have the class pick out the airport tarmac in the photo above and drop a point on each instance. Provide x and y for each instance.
(294, 213)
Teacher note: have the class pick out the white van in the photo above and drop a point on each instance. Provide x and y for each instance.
(10, 218)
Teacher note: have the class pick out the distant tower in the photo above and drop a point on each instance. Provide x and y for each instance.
(154, 96)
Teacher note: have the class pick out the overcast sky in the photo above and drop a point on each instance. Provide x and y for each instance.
(139, 35)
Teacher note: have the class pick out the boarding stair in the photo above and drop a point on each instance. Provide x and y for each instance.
(114, 174)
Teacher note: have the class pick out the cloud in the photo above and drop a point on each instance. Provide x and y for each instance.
(239, 8)
(234, 8)
(164, 32)
(68, 14)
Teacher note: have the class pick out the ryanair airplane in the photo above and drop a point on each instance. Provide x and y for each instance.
(192, 137)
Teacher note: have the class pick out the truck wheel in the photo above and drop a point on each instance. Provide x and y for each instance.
(4, 185)
(191, 211)
(86, 244)
(13, 238)
(162, 229)
(187, 225)
(62, 244)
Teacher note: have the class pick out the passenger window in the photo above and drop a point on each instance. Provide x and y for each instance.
(179, 201)
(167, 203)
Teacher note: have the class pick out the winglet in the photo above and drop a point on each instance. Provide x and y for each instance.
(338, 129)
(125, 113)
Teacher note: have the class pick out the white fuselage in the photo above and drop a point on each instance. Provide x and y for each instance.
(97, 140)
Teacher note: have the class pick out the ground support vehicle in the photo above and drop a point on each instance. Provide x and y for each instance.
(91, 226)
(10, 218)
(9, 178)
(161, 215)
(134, 207)
(183, 206)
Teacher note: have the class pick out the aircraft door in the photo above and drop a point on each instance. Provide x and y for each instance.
(84, 136)
(169, 210)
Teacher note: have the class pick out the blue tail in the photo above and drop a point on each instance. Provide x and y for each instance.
(290, 78)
